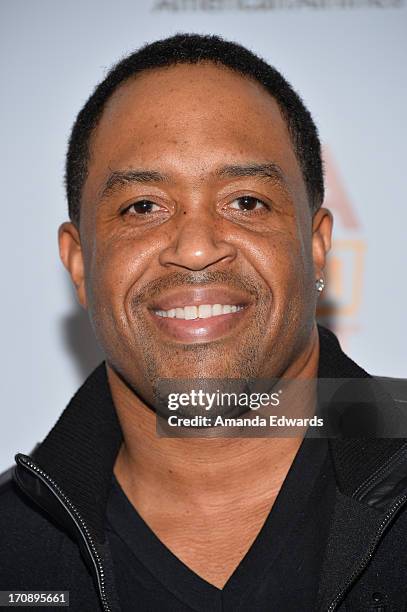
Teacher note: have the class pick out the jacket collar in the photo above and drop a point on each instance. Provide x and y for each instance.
(355, 460)
(80, 451)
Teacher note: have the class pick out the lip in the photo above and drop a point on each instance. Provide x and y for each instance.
(200, 330)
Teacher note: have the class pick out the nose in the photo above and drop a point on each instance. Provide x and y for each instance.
(197, 244)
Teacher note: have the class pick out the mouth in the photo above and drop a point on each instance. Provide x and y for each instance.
(201, 314)
(204, 311)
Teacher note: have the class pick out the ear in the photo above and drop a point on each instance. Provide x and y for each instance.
(70, 251)
(322, 224)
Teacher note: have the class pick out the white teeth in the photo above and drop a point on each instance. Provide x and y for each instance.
(217, 309)
(179, 313)
(204, 311)
(191, 312)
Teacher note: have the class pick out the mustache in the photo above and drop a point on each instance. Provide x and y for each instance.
(202, 277)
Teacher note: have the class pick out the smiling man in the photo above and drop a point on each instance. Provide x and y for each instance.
(197, 243)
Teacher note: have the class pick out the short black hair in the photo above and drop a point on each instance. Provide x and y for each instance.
(193, 49)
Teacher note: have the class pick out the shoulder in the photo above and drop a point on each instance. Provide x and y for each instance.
(395, 411)
(35, 552)
(396, 387)
(17, 512)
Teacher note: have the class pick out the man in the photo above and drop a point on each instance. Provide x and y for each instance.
(197, 243)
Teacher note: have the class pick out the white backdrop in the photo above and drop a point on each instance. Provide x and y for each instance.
(347, 58)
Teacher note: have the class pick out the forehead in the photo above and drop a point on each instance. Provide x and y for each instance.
(185, 120)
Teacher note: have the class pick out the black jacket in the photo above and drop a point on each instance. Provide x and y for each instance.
(52, 513)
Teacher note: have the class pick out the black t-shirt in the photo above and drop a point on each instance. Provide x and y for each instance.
(279, 572)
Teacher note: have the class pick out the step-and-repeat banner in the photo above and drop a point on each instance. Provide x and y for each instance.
(347, 58)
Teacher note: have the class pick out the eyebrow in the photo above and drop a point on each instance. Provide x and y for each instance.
(268, 171)
(119, 178)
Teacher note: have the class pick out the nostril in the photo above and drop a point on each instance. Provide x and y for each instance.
(196, 250)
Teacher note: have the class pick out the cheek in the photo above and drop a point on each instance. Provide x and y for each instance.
(115, 265)
(282, 262)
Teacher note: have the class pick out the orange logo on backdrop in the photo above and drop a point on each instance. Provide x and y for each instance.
(343, 294)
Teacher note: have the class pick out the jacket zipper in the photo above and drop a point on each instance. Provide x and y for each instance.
(79, 522)
(387, 519)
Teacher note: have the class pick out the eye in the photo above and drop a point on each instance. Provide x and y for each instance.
(142, 207)
(248, 203)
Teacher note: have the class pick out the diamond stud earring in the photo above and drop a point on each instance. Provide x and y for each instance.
(320, 284)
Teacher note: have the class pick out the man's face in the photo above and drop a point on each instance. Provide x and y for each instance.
(198, 246)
